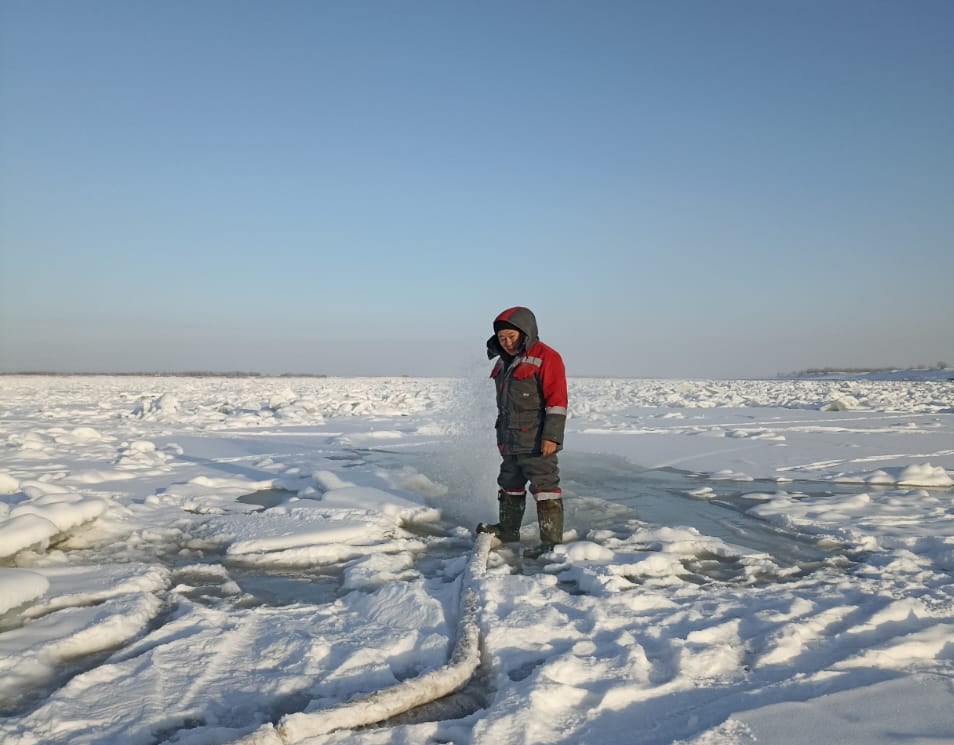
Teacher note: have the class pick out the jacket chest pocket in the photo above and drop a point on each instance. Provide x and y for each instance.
(524, 397)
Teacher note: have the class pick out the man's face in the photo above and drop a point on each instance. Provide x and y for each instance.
(508, 340)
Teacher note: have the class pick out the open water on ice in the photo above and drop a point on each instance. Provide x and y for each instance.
(602, 493)
(609, 493)
(665, 497)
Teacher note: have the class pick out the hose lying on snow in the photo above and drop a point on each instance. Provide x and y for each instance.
(406, 695)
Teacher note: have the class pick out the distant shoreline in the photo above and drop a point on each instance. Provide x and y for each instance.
(812, 371)
(188, 374)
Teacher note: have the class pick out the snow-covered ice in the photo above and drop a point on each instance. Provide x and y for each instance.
(219, 560)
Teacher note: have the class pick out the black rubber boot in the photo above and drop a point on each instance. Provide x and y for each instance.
(550, 520)
(510, 508)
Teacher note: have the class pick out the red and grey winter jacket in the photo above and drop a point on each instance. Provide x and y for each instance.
(531, 388)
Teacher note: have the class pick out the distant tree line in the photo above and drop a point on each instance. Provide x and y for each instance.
(184, 374)
(863, 370)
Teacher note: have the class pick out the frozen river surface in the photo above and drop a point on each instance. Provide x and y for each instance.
(185, 560)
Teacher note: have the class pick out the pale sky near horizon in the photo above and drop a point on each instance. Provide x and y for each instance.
(687, 188)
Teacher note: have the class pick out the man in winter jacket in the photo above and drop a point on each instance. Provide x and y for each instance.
(531, 417)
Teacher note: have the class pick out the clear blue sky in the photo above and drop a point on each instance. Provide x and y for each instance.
(686, 188)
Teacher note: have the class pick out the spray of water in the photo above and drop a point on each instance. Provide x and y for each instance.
(468, 461)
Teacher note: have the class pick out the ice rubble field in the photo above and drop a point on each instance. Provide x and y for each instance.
(146, 598)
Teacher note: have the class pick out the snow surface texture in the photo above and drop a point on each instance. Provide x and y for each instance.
(189, 560)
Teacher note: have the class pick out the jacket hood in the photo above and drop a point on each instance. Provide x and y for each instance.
(521, 319)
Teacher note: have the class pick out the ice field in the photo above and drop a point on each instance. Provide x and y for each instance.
(189, 560)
